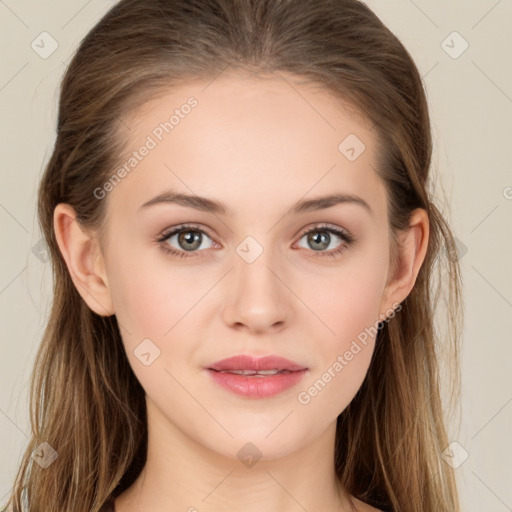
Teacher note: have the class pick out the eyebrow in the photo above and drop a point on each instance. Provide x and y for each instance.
(212, 206)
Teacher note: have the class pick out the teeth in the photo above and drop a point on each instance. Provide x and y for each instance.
(254, 372)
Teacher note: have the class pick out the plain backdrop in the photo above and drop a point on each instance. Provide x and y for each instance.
(462, 49)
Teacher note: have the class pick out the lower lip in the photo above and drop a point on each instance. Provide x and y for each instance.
(257, 387)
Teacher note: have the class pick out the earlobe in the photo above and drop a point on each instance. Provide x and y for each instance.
(84, 260)
(411, 254)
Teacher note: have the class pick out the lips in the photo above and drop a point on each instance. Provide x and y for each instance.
(252, 377)
(248, 365)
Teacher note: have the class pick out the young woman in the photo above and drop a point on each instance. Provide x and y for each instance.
(245, 250)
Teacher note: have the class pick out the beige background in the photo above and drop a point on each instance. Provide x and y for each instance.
(471, 108)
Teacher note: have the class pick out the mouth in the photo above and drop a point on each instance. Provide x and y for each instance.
(254, 373)
(256, 377)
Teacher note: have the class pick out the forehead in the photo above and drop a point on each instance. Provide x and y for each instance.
(236, 99)
(245, 140)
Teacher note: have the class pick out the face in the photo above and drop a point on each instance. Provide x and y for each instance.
(255, 276)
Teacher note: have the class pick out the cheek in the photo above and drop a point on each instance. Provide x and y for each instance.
(348, 300)
(150, 302)
(153, 310)
(348, 304)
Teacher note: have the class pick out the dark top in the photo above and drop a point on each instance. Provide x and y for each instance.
(108, 506)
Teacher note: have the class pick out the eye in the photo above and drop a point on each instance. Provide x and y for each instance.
(319, 238)
(189, 240)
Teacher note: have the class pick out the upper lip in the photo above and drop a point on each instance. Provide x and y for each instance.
(246, 362)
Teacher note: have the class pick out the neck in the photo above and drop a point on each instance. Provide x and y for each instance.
(182, 475)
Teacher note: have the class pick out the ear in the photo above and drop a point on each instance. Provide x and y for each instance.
(411, 251)
(84, 259)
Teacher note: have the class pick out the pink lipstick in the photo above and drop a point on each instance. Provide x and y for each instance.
(256, 377)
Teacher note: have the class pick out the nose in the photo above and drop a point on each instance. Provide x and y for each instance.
(257, 298)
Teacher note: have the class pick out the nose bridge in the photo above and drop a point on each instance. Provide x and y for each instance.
(256, 296)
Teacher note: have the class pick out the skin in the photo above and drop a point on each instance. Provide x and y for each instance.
(257, 145)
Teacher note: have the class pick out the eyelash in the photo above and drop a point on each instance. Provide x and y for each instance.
(341, 233)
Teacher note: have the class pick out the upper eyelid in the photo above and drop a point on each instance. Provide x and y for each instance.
(173, 231)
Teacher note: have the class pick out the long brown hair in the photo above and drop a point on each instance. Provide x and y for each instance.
(86, 402)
